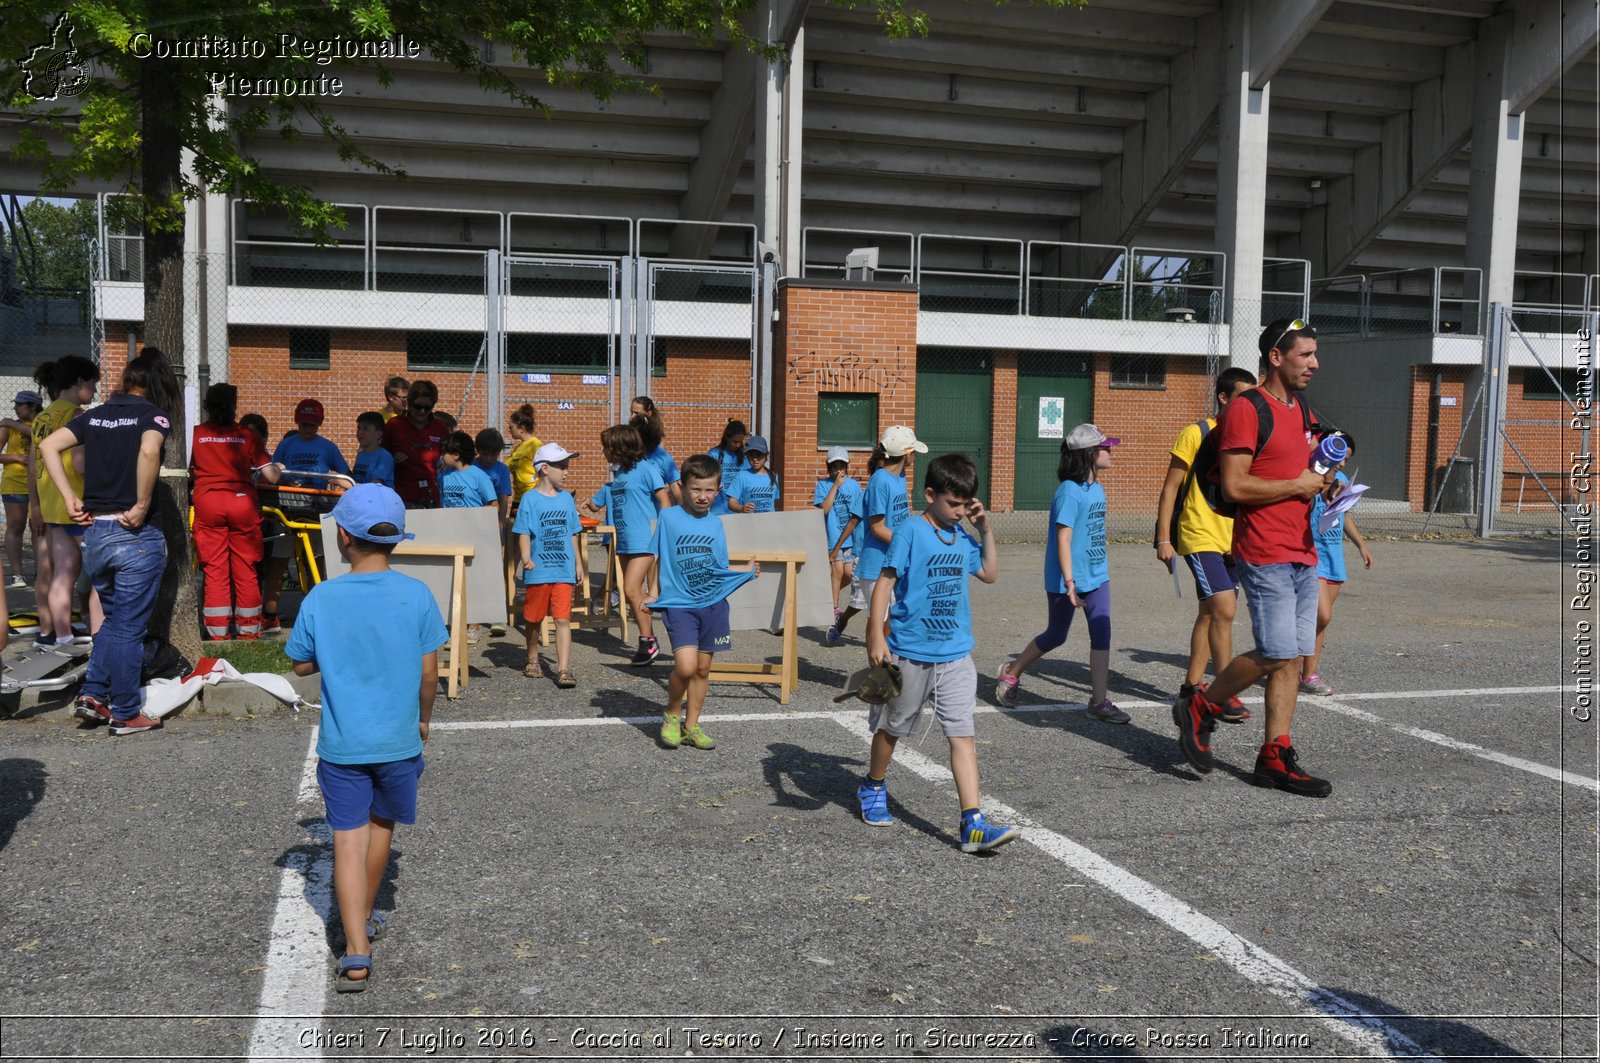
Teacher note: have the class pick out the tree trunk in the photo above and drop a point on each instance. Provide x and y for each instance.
(177, 612)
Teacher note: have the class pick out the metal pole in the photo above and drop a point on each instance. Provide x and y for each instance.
(1490, 458)
(764, 332)
(494, 338)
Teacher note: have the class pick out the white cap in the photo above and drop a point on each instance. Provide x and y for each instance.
(899, 440)
(838, 454)
(552, 452)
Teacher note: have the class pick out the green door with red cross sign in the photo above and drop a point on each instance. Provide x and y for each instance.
(1055, 390)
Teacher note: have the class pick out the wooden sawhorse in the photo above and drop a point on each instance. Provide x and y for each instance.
(456, 667)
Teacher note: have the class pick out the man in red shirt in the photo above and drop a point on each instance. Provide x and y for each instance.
(1273, 489)
(415, 441)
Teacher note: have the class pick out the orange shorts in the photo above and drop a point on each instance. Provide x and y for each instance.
(547, 599)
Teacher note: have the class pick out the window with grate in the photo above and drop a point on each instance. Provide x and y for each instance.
(442, 351)
(1147, 372)
(308, 348)
(845, 420)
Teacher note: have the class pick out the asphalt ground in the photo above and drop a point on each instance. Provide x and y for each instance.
(571, 890)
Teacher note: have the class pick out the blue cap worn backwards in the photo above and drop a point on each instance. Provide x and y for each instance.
(366, 505)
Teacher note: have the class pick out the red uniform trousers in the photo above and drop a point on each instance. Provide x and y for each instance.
(227, 539)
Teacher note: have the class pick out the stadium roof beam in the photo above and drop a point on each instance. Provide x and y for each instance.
(1276, 30)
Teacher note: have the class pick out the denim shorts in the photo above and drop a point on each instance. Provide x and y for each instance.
(14, 500)
(705, 628)
(1283, 608)
(355, 793)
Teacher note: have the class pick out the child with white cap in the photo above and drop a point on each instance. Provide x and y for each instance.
(549, 541)
(886, 505)
(1076, 572)
(840, 498)
(374, 634)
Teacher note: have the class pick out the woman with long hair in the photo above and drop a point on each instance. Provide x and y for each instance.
(16, 451)
(225, 460)
(123, 548)
(70, 382)
(523, 474)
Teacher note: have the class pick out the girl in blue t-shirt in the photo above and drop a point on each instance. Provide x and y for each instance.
(644, 417)
(756, 489)
(840, 498)
(885, 506)
(636, 494)
(1076, 572)
(730, 451)
(1330, 567)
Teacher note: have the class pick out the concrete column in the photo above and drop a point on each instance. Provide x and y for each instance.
(1242, 182)
(769, 91)
(794, 93)
(1496, 170)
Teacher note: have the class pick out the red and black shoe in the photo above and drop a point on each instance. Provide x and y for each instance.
(1233, 710)
(1196, 719)
(1278, 766)
(91, 710)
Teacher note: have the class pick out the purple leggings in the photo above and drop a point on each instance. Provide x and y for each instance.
(1096, 607)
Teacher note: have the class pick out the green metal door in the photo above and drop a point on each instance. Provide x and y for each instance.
(954, 389)
(1054, 392)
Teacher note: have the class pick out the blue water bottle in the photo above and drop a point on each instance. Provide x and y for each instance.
(1330, 454)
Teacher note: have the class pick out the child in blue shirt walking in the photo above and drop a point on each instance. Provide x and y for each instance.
(1076, 571)
(754, 490)
(553, 567)
(374, 634)
(930, 639)
(1330, 567)
(886, 505)
(840, 498)
(696, 581)
(636, 493)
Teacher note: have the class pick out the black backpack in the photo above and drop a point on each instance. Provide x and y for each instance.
(1203, 471)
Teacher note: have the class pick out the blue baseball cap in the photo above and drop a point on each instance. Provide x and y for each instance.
(366, 505)
(757, 445)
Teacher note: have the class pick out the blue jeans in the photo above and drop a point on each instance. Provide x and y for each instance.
(1283, 608)
(125, 567)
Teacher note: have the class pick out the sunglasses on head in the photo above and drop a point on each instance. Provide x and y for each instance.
(1294, 326)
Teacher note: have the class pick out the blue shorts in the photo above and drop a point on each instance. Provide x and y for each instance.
(74, 530)
(1283, 609)
(358, 793)
(1213, 573)
(14, 500)
(705, 628)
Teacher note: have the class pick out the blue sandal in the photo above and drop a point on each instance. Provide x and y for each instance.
(344, 983)
(377, 926)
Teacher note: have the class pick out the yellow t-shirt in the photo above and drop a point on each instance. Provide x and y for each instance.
(388, 414)
(523, 475)
(51, 505)
(14, 480)
(1201, 529)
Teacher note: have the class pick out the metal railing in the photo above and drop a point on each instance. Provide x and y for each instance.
(894, 267)
(1076, 291)
(1178, 291)
(1427, 300)
(468, 251)
(1285, 288)
(290, 263)
(985, 290)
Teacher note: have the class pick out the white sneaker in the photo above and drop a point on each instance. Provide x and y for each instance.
(16, 583)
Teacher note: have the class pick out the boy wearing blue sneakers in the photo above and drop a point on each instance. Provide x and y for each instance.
(378, 685)
(930, 639)
(696, 580)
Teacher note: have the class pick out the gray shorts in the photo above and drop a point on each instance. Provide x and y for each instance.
(953, 688)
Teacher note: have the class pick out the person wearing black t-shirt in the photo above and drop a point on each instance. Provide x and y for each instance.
(123, 550)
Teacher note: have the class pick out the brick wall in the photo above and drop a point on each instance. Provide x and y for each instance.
(838, 338)
(1147, 422)
(1003, 434)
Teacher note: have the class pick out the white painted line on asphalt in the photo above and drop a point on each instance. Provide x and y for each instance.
(1457, 744)
(296, 979)
(1371, 1035)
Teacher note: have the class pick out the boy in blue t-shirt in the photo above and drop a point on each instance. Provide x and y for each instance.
(554, 566)
(696, 580)
(462, 484)
(373, 464)
(489, 445)
(754, 490)
(840, 498)
(374, 634)
(306, 451)
(930, 639)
